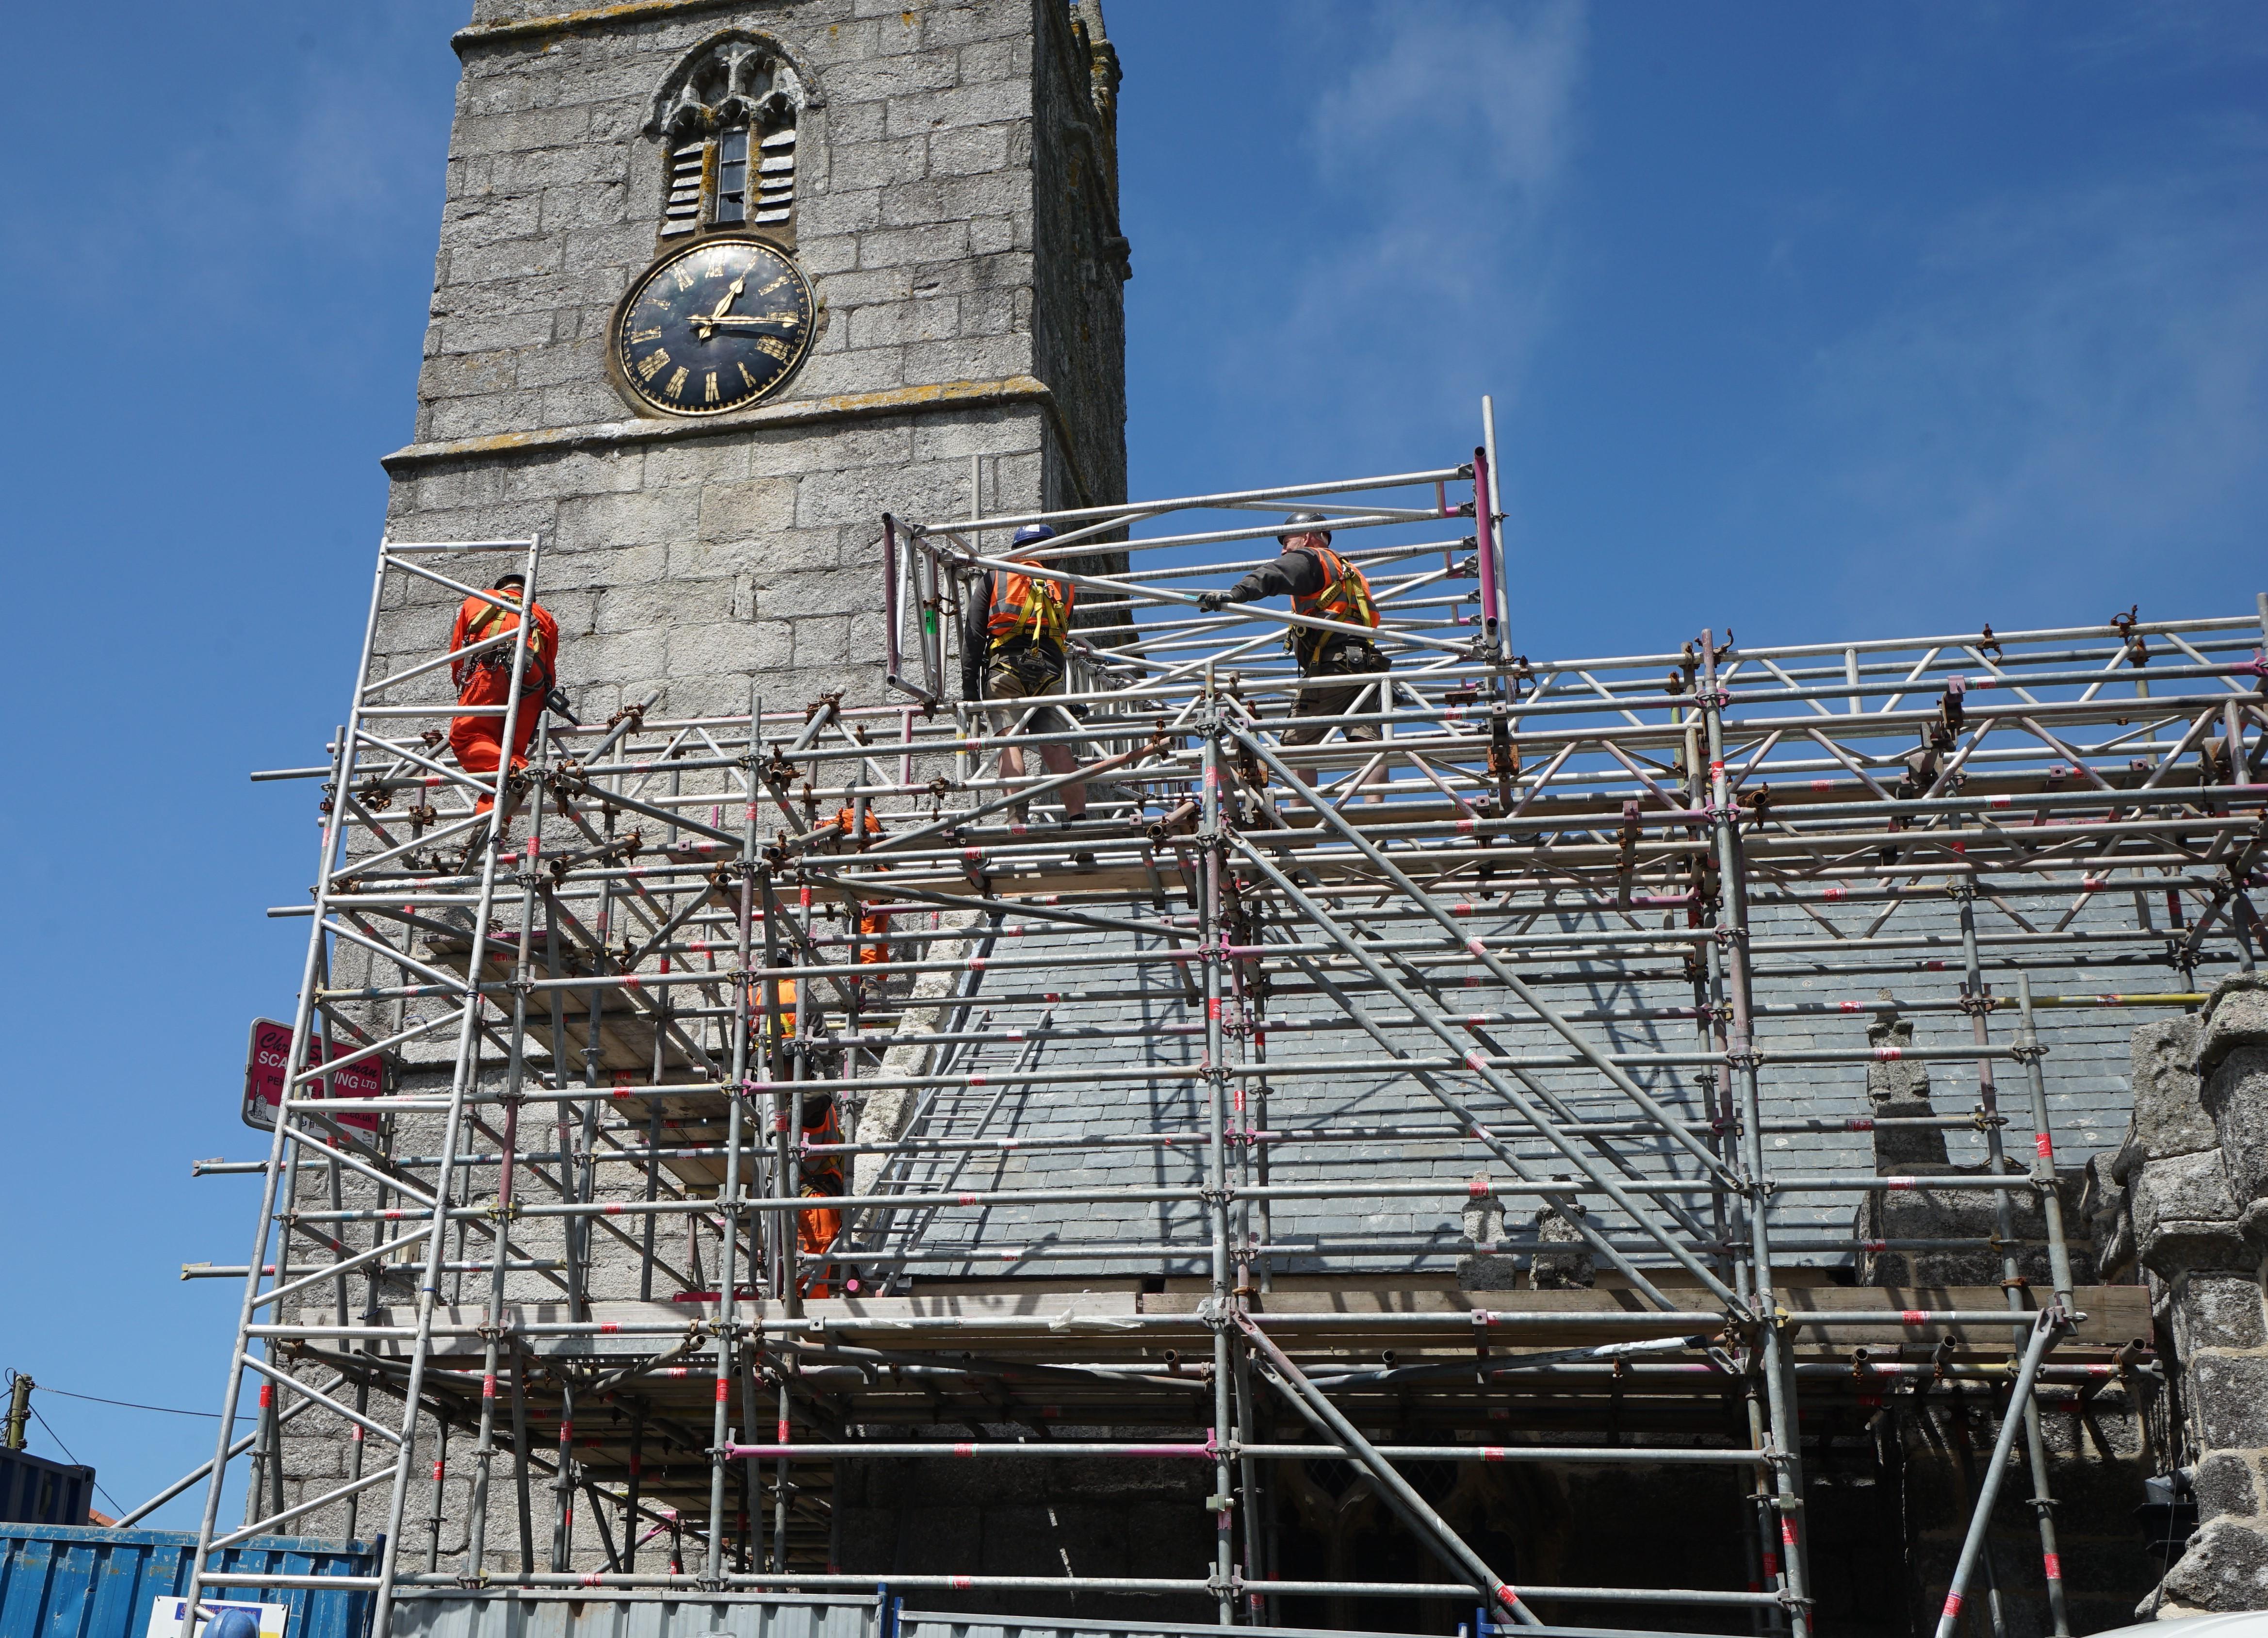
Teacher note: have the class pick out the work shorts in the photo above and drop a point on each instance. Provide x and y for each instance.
(1026, 673)
(1357, 661)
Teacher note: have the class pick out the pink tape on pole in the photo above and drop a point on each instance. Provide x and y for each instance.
(1913, 1316)
(2044, 1145)
(2053, 1564)
(1952, 1607)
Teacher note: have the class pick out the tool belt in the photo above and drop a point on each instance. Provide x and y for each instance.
(1034, 664)
(499, 660)
(1344, 656)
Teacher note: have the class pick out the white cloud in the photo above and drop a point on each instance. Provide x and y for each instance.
(1440, 135)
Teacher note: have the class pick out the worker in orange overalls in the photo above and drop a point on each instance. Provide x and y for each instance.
(485, 679)
(817, 1228)
(873, 930)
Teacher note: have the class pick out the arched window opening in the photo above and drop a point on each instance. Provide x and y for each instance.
(728, 119)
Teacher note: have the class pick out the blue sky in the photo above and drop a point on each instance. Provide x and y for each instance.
(1815, 320)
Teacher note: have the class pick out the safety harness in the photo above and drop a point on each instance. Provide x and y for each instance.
(537, 677)
(1345, 598)
(1027, 611)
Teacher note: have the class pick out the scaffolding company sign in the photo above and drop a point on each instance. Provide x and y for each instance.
(267, 1063)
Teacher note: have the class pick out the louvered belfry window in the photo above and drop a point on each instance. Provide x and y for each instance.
(728, 118)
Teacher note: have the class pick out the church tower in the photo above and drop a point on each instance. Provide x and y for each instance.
(914, 209)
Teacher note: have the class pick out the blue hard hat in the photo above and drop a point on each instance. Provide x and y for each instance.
(232, 1624)
(1032, 534)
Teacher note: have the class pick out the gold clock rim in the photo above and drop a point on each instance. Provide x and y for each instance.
(628, 386)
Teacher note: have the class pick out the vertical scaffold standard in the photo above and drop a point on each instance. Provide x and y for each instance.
(1467, 1069)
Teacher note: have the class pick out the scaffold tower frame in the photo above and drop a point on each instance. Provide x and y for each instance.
(1571, 920)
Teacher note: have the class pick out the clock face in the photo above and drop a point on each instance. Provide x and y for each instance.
(715, 327)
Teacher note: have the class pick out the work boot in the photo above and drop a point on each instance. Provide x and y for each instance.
(1080, 860)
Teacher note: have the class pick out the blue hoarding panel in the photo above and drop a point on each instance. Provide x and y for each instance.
(60, 1581)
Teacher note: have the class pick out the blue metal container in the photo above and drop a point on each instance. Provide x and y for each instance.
(60, 1581)
(35, 1491)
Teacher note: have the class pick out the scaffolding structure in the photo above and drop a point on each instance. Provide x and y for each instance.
(1584, 932)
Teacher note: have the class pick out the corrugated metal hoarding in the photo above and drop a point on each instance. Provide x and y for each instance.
(517, 1615)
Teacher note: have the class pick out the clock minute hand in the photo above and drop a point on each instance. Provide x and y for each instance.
(787, 318)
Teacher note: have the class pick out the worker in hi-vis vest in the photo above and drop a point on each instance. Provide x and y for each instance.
(817, 1228)
(485, 679)
(874, 929)
(1323, 585)
(1013, 636)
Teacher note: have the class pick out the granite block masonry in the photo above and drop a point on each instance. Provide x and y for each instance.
(943, 172)
(2184, 1203)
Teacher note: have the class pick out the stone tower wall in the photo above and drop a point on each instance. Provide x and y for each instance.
(956, 215)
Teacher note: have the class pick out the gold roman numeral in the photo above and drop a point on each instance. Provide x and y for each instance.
(676, 386)
(646, 335)
(650, 365)
(774, 285)
(710, 395)
(684, 278)
(773, 346)
(750, 379)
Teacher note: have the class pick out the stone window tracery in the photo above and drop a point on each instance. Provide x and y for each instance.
(728, 118)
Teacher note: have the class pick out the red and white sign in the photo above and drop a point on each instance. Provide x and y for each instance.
(267, 1063)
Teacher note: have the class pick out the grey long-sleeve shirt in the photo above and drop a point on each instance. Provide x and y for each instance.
(1297, 574)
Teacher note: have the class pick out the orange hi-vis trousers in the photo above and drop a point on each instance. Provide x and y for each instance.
(479, 741)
